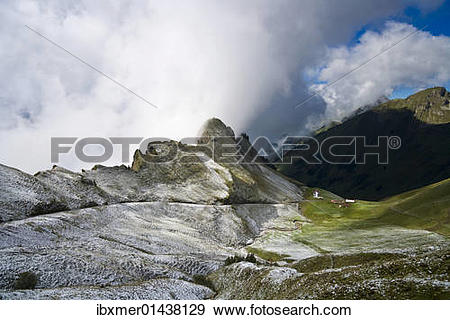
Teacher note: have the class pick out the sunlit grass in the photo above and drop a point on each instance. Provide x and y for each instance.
(426, 208)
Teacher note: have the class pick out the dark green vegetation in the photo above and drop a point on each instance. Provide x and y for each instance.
(235, 259)
(203, 281)
(422, 123)
(25, 280)
(267, 255)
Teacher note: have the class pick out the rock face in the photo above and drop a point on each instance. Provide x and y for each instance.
(23, 195)
(200, 180)
(163, 230)
(121, 244)
(117, 227)
(429, 106)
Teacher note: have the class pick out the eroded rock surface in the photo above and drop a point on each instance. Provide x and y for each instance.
(126, 243)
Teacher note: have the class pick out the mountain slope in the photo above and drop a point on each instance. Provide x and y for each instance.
(422, 123)
(369, 250)
(424, 208)
(165, 230)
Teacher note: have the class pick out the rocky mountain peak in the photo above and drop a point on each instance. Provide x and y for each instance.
(430, 106)
(214, 127)
(435, 94)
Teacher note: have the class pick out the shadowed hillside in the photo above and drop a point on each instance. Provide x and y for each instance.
(422, 123)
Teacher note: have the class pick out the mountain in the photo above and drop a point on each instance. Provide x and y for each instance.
(202, 227)
(422, 121)
(142, 231)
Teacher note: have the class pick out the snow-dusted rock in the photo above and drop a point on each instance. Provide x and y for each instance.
(157, 289)
(124, 243)
(22, 195)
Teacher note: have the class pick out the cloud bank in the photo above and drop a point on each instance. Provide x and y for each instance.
(241, 61)
(420, 61)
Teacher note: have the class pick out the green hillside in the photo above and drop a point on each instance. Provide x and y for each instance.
(422, 121)
(426, 208)
(341, 249)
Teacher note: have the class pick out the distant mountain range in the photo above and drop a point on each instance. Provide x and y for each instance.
(422, 121)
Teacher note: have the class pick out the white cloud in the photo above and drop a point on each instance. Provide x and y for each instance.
(420, 61)
(194, 59)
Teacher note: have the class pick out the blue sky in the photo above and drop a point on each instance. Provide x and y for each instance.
(436, 22)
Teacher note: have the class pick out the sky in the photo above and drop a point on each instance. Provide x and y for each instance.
(246, 62)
